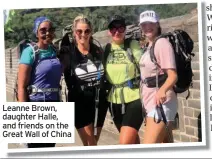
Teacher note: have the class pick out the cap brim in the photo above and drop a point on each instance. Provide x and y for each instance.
(148, 20)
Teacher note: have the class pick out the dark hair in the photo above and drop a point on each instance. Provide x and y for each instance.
(159, 29)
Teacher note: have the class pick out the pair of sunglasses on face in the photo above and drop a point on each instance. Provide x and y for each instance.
(117, 28)
(80, 31)
(45, 30)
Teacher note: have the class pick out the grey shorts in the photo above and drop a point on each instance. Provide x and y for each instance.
(170, 111)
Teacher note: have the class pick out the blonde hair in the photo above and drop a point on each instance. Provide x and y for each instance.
(83, 19)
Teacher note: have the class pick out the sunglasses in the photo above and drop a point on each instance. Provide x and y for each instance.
(80, 31)
(120, 29)
(45, 30)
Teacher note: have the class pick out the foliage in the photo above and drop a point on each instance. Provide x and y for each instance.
(21, 23)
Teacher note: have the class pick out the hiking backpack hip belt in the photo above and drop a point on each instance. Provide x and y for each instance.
(133, 83)
(33, 89)
(150, 82)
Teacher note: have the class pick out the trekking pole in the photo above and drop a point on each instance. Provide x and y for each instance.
(96, 111)
(161, 107)
(166, 123)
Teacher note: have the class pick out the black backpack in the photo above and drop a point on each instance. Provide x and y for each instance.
(182, 45)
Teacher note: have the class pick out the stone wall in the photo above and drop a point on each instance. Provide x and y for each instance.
(188, 121)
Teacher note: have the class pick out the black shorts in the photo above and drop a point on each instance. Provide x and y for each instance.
(132, 117)
(85, 108)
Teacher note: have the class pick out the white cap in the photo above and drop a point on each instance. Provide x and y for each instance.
(149, 16)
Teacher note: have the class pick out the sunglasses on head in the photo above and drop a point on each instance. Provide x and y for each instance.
(120, 28)
(80, 31)
(45, 30)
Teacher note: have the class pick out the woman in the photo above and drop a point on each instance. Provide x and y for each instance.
(39, 74)
(83, 71)
(122, 75)
(153, 98)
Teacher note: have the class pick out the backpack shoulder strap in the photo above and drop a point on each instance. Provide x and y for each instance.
(35, 50)
(152, 54)
(130, 55)
(145, 47)
(72, 55)
(28, 43)
(127, 48)
(107, 50)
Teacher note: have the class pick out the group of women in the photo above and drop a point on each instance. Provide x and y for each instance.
(100, 79)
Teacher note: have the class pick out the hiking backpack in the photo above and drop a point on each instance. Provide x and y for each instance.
(20, 47)
(182, 45)
(133, 32)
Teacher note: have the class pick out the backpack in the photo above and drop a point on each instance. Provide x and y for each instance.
(133, 32)
(20, 47)
(66, 33)
(182, 45)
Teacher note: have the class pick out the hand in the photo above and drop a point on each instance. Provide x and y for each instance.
(160, 97)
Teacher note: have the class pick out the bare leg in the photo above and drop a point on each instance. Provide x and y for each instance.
(154, 132)
(128, 135)
(87, 135)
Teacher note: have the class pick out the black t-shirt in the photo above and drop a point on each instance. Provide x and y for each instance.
(84, 71)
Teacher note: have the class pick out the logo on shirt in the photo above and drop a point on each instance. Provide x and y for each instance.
(117, 57)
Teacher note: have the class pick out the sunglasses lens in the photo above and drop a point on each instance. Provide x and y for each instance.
(121, 29)
(78, 32)
(113, 30)
(45, 30)
(86, 32)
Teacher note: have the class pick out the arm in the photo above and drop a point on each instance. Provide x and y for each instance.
(165, 56)
(24, 72)
(23, 81)
(169, 83)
